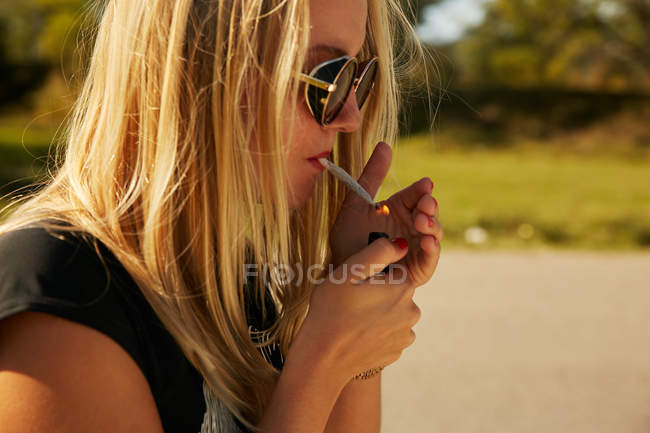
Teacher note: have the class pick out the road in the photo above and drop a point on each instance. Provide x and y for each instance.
(547, 342)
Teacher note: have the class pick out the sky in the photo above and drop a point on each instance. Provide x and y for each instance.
(447, 21)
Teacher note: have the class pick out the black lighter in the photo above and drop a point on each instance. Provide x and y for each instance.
(376, 235)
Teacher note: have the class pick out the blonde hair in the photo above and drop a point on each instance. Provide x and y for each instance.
(158, 167)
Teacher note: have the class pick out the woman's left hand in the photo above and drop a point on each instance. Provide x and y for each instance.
(413, 216)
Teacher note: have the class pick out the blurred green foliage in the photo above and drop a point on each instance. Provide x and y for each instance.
(35, 30)
(597, 45)
(601, 45)
(39, 48)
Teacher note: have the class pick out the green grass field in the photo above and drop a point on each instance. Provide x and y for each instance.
(520, 197)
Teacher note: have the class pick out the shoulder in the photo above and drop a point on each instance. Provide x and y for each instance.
(49, 365)
(61, 273)
(80, 284)
(60, 265)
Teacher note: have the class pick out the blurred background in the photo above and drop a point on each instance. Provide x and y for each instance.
(535, 128)
(541, 134)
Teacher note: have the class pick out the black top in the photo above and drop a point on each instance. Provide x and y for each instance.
(66, 278)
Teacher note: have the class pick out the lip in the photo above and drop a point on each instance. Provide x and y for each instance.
(314, 160)
(321, 155)
(317, 165)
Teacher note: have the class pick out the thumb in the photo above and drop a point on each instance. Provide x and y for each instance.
(372, 259)
(376, 169)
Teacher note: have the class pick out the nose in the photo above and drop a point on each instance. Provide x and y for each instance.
(349, 118)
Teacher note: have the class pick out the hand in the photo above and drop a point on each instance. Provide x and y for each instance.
(356, 322)
(413, 216)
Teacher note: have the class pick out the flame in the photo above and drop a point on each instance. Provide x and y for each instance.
(383, 210)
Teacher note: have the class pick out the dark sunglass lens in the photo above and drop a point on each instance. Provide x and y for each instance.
(340, 95)
(318, 96)
(365, 85)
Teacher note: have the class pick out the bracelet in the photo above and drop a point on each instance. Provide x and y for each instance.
(368, 373)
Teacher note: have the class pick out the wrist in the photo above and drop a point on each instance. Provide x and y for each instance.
(306, 391)
(311, 351)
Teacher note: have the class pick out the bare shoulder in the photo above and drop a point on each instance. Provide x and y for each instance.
(58, 375)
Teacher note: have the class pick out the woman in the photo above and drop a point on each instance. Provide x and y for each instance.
(130, 293)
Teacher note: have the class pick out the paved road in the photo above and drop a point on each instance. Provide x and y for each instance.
(547, 342)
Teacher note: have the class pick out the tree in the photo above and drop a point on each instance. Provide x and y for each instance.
(417, 6)
(586, 44)
(35, 30)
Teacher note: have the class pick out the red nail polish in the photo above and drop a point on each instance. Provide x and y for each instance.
(430, 222)
(400, 242)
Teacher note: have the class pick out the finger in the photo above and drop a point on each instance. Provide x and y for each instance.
(376, 169)
(428, 225)
(423, 263)
(427, 258)
(372, 259)
(410, 196)
(428, 205)
(397, 277)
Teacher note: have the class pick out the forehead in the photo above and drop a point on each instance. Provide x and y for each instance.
(338, 27)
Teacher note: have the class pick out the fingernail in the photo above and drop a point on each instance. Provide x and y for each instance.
(400, 242)
(435, 202)
(430, 222)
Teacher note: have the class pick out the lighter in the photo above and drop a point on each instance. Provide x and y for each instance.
(376, 235)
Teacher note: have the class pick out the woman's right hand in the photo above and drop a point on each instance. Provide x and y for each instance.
(361, 320)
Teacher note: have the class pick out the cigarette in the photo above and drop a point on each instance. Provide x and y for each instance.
(344, 177)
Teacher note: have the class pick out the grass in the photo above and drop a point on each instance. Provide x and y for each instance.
(525, 196)
(528, 197)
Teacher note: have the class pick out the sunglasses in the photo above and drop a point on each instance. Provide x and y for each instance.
(329, 83)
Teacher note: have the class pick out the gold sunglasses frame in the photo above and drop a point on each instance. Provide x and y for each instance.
(331, 87)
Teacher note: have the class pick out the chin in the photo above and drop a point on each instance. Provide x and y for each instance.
(298, 203)
(301, 197)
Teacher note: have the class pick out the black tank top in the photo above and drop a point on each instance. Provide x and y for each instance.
(64, 276)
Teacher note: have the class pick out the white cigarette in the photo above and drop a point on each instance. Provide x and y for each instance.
(344, 177)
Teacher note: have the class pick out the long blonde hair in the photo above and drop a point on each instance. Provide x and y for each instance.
(158, 167)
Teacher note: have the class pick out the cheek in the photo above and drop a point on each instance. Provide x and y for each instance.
(304, 127)
(300, 146)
